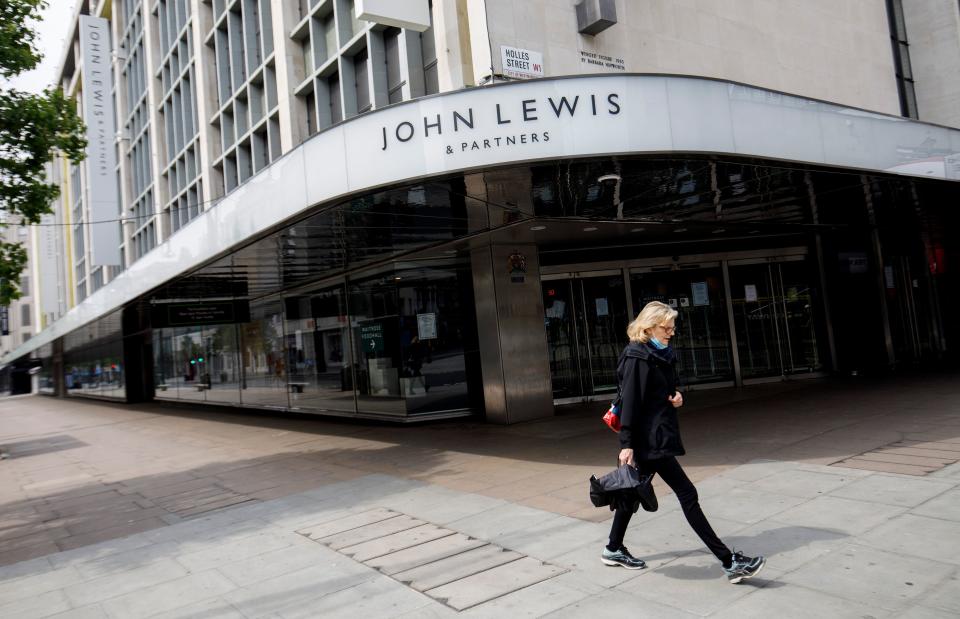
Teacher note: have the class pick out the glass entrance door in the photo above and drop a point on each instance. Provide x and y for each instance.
(775, 318)
(702, 340)
(586, 321)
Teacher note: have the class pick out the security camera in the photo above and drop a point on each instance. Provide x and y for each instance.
(609, 178)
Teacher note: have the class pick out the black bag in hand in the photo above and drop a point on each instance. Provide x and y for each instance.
(624, 488)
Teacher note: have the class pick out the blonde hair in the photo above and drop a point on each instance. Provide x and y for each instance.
(653, 313)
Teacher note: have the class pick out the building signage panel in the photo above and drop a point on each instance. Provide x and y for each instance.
(371, 337)
(101, 162)
(4, 320)
(48, 266)
(521, 63)
(200, 313)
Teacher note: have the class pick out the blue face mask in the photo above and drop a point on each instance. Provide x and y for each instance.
(657, 343)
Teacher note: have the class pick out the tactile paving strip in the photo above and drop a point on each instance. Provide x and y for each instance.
(451, 567)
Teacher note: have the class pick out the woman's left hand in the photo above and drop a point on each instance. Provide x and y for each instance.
(676, 399)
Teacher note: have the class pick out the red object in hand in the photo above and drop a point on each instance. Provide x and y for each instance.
(612, 419)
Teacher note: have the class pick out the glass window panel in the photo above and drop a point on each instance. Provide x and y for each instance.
(319, 359)
(164, 375)
(263, 379)
(220, 365)
(374, 322)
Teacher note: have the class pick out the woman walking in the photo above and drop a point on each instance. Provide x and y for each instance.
(650, 436)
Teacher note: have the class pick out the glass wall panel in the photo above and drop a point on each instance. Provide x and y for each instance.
(436, 320)
(93, 359)
(221, 364)
(165, 383)
(263, 379)
(46, 378)
(189, 363)
(319, 360)
(374, 319)
(413, 336)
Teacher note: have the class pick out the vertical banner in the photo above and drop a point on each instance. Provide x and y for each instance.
(49, 275)
(101, 162)
(4, 320)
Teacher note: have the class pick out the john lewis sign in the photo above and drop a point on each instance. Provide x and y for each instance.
(103, 203)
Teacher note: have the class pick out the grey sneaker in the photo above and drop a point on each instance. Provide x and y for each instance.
(743, 567)
(623, 558)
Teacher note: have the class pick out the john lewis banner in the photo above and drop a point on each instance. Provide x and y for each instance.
(101, 163)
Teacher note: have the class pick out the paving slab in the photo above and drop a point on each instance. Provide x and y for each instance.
(694, 583)
(456, 567)
(887, 579)
(374, 598)
(896, 490)
(786, 547)
(300, 588)
(800, 483)
(839, 514)
(796, 602)
(493, 583)
(248, 572)
(919, 536)
(945, 595)
(42, 605)
(615, 603)
(181, 593)
(945, 506)
(536, 600)
(113, 585)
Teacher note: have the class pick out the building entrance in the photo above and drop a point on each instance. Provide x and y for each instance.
(586, 319)
(741, 318)
(774, 312)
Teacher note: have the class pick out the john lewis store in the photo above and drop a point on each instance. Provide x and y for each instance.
(481, 252)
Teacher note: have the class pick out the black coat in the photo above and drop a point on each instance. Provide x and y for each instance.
(649, 423)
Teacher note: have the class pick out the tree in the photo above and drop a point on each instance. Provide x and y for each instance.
(33, 127)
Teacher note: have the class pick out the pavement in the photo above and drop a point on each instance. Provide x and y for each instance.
(851, 490)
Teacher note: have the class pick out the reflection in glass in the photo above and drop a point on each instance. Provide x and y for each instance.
(263, 378)
(318, 351)
(411, 334)
(702, 340)
(773, 310)
(220, 364)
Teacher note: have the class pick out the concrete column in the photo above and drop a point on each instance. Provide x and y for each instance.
(513, 342)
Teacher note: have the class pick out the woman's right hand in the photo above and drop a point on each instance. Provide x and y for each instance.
(626, 457)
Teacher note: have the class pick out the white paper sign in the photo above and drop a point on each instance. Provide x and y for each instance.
(750, 293)
(700, 295)
(521, 63)
(603, 308)
(672, 303)
(684, 301)
(427, 326)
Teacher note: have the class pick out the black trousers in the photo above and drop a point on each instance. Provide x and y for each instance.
(670, 471)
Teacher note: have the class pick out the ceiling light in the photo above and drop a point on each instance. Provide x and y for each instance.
(719, 230)
(397, 279)
(590, 229)
(538, 228)
(637, 229)
(680, 230)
